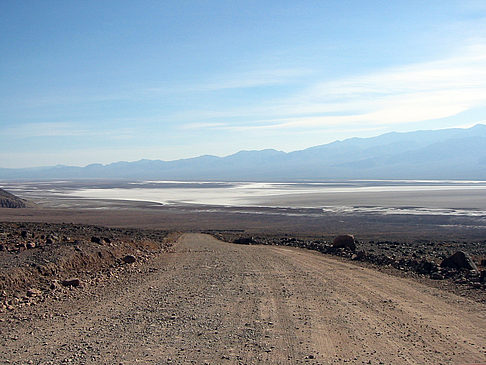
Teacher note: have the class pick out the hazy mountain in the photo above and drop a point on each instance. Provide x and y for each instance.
(441, 154)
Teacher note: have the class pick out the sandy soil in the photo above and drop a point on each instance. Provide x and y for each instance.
(215, 302)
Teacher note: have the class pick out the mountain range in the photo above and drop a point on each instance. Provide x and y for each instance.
(436, 154)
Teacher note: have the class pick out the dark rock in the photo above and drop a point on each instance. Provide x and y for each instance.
(344, 241)
(426, 267)
(460, 260)
(95, 239)
(71, 282)
(360, 255)
(244, 240)
(129, 259)
(482, 276)
(436, 276)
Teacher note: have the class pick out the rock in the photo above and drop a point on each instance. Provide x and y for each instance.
(33, 292)
(360, 255)
(344, 241)
(459, 260)
(426, 267)
(95, 239)
(30, 245)
(129, 259)
(71, 282)
(482, 276)
(436, 276)
(244, 240)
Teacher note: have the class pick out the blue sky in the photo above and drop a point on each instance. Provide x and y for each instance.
(102, 81)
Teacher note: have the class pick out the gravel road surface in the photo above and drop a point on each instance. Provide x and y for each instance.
(215, 302)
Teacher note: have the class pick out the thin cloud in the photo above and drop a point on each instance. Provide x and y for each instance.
(45, 129)
(63, 129)
(243, 80)
(202, 125)
(409, 94)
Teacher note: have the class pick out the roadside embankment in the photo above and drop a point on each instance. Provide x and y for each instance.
(38, 260)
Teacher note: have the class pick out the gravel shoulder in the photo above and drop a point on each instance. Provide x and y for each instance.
(207, 301)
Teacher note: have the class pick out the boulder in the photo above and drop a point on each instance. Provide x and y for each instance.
(482, 276)
(344, 241)
(244, 240)
(71, 282)
(459, 260)
(437, 276)
(360, 255)
(129, 259)
(95, 239)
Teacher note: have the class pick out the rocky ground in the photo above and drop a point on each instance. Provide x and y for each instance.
(422, 258)
(211, 302)
(39, 260)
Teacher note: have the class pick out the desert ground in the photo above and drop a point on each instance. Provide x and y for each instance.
(189, 297)
(207, 301)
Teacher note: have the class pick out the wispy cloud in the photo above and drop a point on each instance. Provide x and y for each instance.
(45, 129)
(202, 125)
(218, 82)
(408, 94)
(236, 80)
(63, 129)
(254, 79)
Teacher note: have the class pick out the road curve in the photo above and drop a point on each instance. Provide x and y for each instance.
(215, 302)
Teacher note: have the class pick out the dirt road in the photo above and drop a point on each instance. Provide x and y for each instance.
(214, 302)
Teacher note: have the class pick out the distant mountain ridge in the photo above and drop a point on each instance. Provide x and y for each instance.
(440, 154)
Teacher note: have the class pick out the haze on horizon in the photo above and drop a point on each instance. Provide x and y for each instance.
(98, 82)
